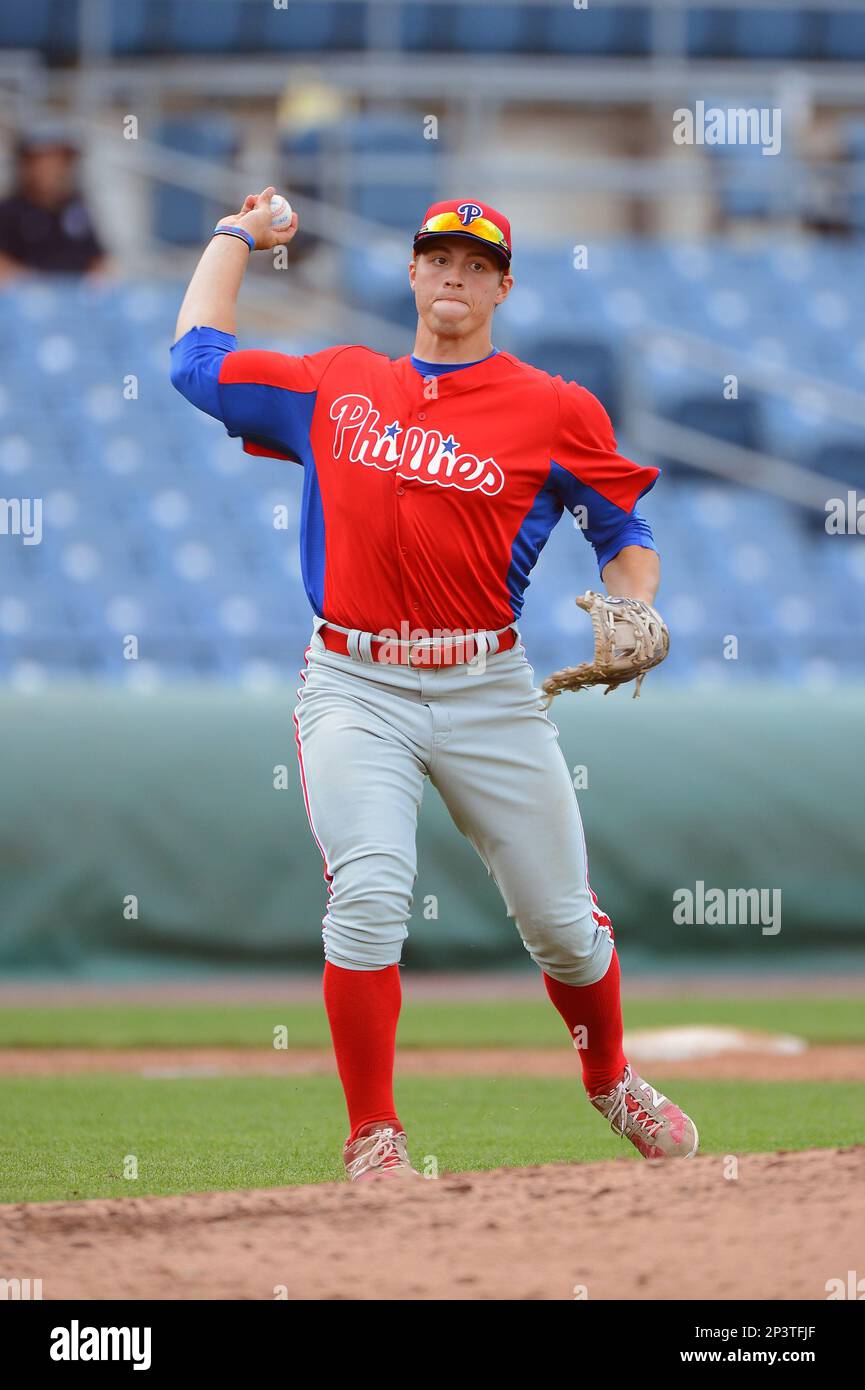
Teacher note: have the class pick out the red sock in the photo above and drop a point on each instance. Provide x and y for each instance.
(362, 1009)
(597, 1009)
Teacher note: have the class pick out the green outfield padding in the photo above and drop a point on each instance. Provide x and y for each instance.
(170, 800)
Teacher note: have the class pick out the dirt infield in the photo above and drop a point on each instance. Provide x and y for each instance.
(447, 987)
(619, 1229)
(763, 1226)
(825, 1062)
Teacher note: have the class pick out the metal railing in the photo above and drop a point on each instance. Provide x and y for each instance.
(665, 438)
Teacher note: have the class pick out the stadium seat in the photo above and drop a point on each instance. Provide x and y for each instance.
(750, 184)
(620, 30)
(776, 33)
(313, 26)
(394, 132)
(429, 27)
(590, 363)
(708, 33)
(761, 33)
(305, 143)
(734, 422)
(375, 278)
(843, 461)
(202, 26)
(476, 31)
(395, 206)
(181, 215)
(48, 25)
(844, 36)
(399, 308)
(364, 140)
(715, 32)
(131, 29)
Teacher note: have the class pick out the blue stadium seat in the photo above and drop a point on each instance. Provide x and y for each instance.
(390, 133)
(313, 26)
(477, 31)
(130, 27)
(181, 215)
(25, 26)
(304, 160)
(776, 33)
(428, 27)
(399, 308)
(48, 25)
(843, 461)
(708, 33)
(202, 26)
(615, 30)
(759, 33)
(590, 363)
(734, 422)
(377, 280)
(750, 184)
(209, 136)
(844, 36)
(397, 203)
(312, 140)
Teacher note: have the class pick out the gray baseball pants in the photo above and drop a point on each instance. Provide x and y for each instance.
(369, 735)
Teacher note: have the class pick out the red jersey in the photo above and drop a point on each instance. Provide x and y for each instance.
(425, 501)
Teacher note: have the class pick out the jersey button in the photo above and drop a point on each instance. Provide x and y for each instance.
(421, 415)
(400, 492)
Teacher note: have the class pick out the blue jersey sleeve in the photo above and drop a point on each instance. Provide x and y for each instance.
(266, 399)
(606, 525)
(593, 479)
(196, 361)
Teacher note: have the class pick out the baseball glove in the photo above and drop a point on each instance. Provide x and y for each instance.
(630, 638)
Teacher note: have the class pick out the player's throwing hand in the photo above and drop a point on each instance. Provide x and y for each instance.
(255, 217)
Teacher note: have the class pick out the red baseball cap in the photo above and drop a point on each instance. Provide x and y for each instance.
(465, 217)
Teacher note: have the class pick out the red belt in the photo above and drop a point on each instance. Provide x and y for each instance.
(453, 652)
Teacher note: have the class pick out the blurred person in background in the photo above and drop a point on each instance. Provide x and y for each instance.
(45, 225)
(308, 111)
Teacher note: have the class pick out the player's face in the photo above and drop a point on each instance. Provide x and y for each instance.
(457, 285)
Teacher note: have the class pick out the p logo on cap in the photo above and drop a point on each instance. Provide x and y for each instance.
(463, 217)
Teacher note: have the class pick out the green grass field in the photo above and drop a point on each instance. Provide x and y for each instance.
(69, 1137)
(513, 1023)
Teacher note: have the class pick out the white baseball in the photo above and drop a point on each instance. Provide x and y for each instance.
(280, 211)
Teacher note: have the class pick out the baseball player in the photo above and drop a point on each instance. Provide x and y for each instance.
(430, 486)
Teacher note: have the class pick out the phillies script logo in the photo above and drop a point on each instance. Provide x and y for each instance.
(422, 454)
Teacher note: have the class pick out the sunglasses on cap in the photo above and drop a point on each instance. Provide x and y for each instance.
(480, 227)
